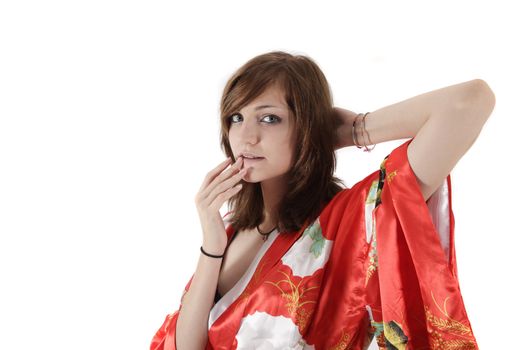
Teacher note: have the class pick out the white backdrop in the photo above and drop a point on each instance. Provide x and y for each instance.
(109, 123)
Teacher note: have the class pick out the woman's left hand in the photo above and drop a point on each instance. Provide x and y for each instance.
(345, 119)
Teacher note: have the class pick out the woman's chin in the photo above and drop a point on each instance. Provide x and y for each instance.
(249, 177)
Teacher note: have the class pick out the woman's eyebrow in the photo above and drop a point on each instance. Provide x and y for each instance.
(265, 106)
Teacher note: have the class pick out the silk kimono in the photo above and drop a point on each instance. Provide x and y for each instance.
(379, 262)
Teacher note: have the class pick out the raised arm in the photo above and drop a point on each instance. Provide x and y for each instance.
(444, 124)
(217, 188)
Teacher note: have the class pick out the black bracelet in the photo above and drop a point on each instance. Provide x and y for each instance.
(211, 255)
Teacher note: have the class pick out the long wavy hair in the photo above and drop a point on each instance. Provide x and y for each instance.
(311, 183)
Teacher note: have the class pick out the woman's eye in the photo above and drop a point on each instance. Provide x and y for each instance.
(270, 118)
(275, 118)
(233, 119)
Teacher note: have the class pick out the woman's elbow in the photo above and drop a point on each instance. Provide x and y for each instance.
(482, 95)
(477, 98)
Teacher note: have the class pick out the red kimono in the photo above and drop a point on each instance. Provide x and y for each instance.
(378, 262)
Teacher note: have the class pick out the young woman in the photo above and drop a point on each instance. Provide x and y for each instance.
(300, 261)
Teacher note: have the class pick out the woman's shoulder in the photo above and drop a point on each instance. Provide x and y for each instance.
(370, 186)
(359, 190)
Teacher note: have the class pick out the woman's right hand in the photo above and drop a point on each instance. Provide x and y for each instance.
(218, 186)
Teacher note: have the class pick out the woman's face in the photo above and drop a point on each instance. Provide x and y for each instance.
(264, 132)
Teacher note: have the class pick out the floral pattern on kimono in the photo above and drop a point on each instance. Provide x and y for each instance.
(378, 262)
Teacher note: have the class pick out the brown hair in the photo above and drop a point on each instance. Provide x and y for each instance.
(311, 182)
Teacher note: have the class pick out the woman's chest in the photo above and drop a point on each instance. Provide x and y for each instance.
(238, 258)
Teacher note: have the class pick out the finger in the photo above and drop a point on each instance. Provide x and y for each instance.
(224, 196)
(226, 174)
(226, 184)
(214, 172)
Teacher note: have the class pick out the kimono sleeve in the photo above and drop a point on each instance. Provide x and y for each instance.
(415, 298)
(165, 337)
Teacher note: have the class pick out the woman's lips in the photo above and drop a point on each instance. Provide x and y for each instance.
(252, 160)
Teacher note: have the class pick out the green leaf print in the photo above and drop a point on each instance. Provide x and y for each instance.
(316, 234)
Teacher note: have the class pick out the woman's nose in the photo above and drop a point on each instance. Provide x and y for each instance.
(249, 133)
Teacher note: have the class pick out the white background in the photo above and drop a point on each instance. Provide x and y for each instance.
(109, 123)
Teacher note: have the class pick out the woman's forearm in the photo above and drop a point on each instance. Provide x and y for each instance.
(192, 324)
(404, 119)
